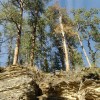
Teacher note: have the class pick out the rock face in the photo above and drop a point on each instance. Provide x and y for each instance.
(18, 84)
(84, 85)
(89, 90)
(27, 83)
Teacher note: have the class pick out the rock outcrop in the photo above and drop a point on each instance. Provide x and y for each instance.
(28, 83)
(18, 83)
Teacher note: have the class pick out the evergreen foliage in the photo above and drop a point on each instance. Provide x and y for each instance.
(33, 31)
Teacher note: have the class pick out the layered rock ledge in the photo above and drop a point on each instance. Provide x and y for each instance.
(29, 83)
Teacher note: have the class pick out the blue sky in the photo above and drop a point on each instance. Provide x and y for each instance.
(69, 4)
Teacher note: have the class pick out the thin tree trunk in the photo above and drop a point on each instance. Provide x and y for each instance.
(10, 53)
(84, 51)
(65, 46)
(19, 28)
(33, 38)
(89, 46)
(91, 52)
(61, 53)
(33, 44)
(32, 50)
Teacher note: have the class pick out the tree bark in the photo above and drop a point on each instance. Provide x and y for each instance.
(16, 52)
(91, 52)
(32, 49)
(65, 46)
(33, 38)
(85, 54)
(10, 54)
(19, 29)
(61, 53)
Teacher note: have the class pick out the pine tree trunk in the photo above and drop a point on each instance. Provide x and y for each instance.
(33, 44)
(91, 52)
(61, 53)
(33, 39)
(32, 50)
(65, 46)
(19, 28)
(84, 51)
(16, 52)
(9, 52)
